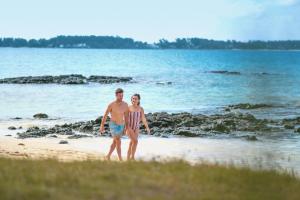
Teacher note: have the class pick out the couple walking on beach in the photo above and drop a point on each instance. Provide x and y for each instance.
(124, 119)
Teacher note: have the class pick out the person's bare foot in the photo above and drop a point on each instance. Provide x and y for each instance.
(131, 159)
(107, 158)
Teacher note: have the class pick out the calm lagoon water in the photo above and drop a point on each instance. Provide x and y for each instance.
(191, 90)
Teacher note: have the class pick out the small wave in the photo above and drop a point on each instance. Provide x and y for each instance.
(164, 83)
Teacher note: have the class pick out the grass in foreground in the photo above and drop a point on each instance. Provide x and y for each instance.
(50, 179)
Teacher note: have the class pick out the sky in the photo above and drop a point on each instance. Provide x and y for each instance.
(153, 19)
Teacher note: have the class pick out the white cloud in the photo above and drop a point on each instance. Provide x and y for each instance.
(277, 21)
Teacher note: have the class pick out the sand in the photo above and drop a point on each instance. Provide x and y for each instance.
(43, 148)
(267, 154)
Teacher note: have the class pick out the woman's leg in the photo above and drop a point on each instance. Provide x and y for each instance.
(130, 135)
(134, 143)
(129, 150)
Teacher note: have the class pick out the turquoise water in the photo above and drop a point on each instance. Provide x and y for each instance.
(192, 89)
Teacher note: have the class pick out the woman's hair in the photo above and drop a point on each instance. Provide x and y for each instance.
(138, 96)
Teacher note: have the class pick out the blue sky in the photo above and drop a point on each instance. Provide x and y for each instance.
(153, 19)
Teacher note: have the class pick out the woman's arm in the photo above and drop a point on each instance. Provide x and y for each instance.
(127, 129)
(144, 120)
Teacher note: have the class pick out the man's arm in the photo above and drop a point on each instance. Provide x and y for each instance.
(104, 118)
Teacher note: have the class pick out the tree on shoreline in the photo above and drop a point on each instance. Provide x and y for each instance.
(116, 42)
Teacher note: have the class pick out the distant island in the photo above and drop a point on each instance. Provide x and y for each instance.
(116, 42)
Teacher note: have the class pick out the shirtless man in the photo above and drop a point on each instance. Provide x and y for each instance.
(118, 110)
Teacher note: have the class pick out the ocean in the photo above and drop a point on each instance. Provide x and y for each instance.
(270, 77)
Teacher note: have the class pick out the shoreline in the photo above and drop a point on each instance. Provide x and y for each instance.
(257, 155)
(192, 137)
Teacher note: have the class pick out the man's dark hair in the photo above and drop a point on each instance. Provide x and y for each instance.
(119, 90)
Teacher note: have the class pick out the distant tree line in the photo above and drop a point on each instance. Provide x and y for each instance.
(198, 43)
(111, 42)
(96, 42)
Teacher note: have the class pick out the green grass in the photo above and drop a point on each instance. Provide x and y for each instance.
(51, 179)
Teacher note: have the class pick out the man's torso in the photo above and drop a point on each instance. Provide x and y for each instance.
(117, 112)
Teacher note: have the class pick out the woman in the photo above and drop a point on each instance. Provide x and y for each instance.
(136, 115)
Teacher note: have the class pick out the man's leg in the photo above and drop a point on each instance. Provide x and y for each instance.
(118, 144)
(112, 148)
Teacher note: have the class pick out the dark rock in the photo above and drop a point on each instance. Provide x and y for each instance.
(291, 122)
(108, 79)
(39, 133)
(17, 118)
(99, 120)
(86, 128)
(64, 79)
(289, 126)
(221, 128)
(34, 128)
(21, 144)
(249, 117)
(164, 136)
(12, 128)
(251, 138)
(63, 142)
(8, 135)
(53, 136)
(249, 106)
(297, 130)
(40, 116)
(77, 136)
(186, 124)
(187, 133)
(224, 72)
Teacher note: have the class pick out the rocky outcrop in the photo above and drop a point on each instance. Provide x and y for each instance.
(182, 124)
(12, 128)
(65, 79)
(40, 116)
(248, 106)
(108, 79)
